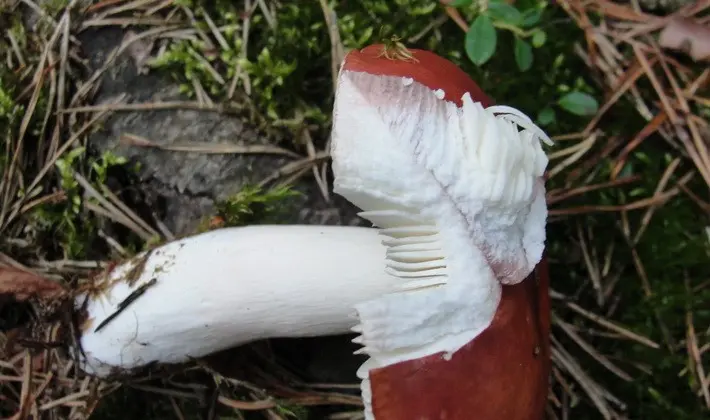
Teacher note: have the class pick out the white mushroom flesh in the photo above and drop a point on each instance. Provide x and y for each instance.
(227, 287)
(457, 189)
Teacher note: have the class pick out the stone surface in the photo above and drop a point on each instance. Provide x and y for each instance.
(186, 183)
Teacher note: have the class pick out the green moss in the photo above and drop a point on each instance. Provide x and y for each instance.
(291, 411)
(53, 7)
(74, 231)
(10, 111)
(251, 205)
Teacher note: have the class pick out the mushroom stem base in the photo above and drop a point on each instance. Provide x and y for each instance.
(501, 374)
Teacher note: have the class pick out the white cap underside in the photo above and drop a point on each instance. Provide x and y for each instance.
(459, 192)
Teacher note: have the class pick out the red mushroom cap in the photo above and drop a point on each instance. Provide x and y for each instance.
(425, 67)
(503, 372)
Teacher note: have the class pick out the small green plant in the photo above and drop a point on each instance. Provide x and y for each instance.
(66, 220)
(481, 43)
(252, 204)
(66, 166)
(10, 111)
(100, 166)
(53, 7)
(496, 15)
(267, 63)
(293, 411)
(575, 102)
(7, 105)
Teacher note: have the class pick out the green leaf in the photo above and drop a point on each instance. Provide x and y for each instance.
(579, 103)
(627, 170)
(460, 3)
(546, 116)
(504, 12)
(538, 39)
(637, 192)
(481, 40)
(531, 17)
(523, 54)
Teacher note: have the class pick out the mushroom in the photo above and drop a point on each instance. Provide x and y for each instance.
(216, 290)
(448, 293)
(457, 184)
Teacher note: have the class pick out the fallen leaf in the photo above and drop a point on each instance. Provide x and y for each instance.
(683, 34)
(23, 285)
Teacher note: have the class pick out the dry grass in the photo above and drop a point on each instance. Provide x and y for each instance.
(622, 51)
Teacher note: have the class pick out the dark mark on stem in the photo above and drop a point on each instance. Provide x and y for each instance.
(127, 301)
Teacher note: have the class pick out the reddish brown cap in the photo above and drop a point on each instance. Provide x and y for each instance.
(425, 67)
(501, 374)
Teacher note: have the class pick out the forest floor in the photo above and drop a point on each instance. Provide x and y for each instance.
(126, 123)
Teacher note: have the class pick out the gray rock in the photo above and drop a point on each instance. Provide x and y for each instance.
(188, 183)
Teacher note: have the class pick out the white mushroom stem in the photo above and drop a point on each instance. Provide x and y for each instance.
(227, 287)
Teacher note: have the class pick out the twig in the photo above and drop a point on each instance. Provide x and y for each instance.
(665, 178)
(613, 326)
(239, 72)
(206, 148)
(151, 106)
(694, 351)
(127, 211)
(590, 387)
(645, 283)
(590, 349)
(85, 88)
(50, 162)
(555, 196)
(267, 14)
(293, 167)
(113, 211)
(337, 50)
